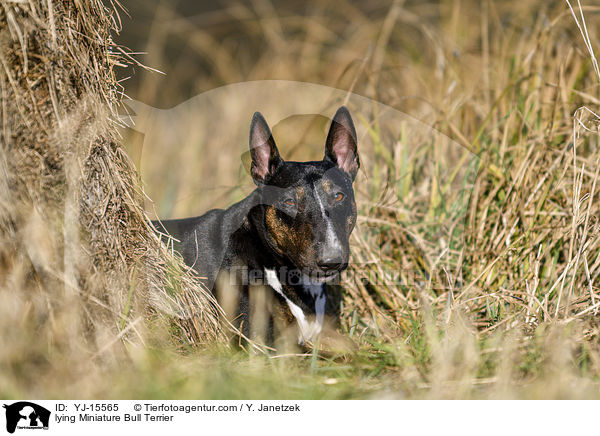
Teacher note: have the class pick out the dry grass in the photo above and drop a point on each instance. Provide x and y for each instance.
(485, 209)
(74, 240)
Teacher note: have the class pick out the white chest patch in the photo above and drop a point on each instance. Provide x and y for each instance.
(309, 329)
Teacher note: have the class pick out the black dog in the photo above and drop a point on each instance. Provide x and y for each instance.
(290, 235)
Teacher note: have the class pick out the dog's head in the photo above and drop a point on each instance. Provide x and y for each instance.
(307, 209)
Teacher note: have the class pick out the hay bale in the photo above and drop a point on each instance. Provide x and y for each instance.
(79, 263)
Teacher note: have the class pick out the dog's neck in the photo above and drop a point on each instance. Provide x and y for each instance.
(310, 325)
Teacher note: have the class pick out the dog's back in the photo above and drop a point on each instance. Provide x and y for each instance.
(199, 240)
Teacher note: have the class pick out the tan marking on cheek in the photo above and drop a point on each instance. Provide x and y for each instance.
(303, 242)
(296, 242)
(276, 228)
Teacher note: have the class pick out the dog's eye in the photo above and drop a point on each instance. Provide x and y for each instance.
(290, 202)
(339, 196)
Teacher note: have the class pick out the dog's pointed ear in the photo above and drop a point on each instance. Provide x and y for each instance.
(264, 153)
(341, 144)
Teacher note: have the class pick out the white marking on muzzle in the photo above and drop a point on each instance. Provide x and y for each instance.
(331, 238)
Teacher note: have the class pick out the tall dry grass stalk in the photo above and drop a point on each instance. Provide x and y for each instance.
(82, 275)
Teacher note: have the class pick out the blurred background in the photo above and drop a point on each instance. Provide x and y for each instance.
(394, 53)
(436, 62)
(374, 47)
